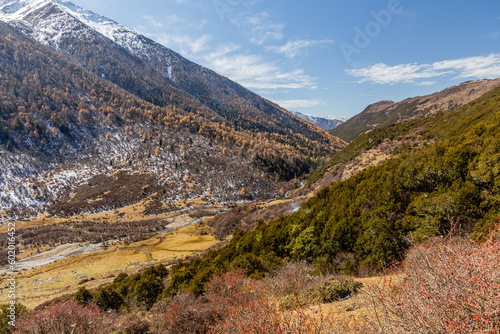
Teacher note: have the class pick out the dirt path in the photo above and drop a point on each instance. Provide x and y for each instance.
(146, 250)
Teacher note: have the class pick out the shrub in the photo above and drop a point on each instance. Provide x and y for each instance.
(68, 317)
(449, 286)
(5, 328)
(230, 289)
(337, 289)
(147, 290)
(133, 325)
(185, 314)
(158, 271)
(120, 277)
(254, 266)
(244, 305)
(293, 277)
(107, 298)
(83, 296)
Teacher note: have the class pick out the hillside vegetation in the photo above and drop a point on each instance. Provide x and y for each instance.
(366, 221)
(447, 285)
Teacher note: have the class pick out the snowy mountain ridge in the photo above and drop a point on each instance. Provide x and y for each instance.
(24, 11)
(324, 122)
(49, 21)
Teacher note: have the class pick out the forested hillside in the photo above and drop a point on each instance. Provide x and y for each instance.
(367, 221)
(57, 85)
(162, 77)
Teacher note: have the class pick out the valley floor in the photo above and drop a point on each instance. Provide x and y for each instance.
(38, 285)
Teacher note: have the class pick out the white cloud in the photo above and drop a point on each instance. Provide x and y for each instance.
(480, 67)
(426, 83)
(184, 43)
(473, 67)
(154, 22)
(250, 70)
(384, 74)
(259, 28)
(167, 31)
(292, 104)
(292, 49)
(253, 72)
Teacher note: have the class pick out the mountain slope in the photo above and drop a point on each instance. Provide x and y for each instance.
(61, 127)
(84, 110)
(73, 142)
(150, 70)
(389, 112)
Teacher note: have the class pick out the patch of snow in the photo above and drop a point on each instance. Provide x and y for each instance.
(169, 72)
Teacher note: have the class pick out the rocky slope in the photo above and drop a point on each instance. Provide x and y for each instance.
(388, 112)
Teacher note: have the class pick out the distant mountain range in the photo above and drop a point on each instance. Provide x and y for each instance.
(388, 112)
(326, 123)
(85, 99)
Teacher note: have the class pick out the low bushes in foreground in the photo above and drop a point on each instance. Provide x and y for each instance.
(449, 286)
(65, 318)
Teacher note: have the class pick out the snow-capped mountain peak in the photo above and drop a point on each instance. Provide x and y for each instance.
(30, 12)
(118, 33)
(51, 21)
(17, 10)
(325, 122)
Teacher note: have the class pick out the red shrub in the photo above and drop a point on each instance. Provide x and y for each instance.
(69, 317)
(449, 286)
(243, 306)
(184, 314)
(235, 304)
(83, 281)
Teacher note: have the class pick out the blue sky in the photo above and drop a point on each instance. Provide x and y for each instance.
(329, 57)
